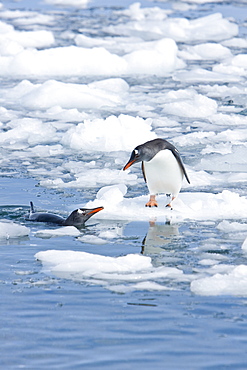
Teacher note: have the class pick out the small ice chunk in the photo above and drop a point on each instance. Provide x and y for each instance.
(124, 273)
(91, 239)
(206, 51)
(244, 245)
(9, 229)
(110, 134)
(90, 264)
(228, 226)
(188, 103)
(113, 194)
(62, 231)
(65, 3)
(233, 282)
(235, 42)
(144, 285)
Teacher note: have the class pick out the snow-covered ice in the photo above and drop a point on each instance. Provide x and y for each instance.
(78, 96)
(135, 271)
(231, 282)
(65, 3)
(189, 205)
(62, 231)
(10, 230)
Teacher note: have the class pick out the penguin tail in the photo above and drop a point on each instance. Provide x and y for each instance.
(31, 208)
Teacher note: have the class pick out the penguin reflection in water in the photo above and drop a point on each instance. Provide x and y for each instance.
(159, 238)
(162, 169)
(77, 218)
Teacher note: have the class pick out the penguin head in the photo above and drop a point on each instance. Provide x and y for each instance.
(141, 153)
(78, 217)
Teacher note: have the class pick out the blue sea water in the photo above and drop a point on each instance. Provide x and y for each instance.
(47, 322)
(53, 323)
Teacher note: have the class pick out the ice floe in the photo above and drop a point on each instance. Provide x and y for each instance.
(231, 282)
(10, 230)
(54, 93)
(120, 274)
(78, 96)
(111, 134)
(69, 3)
(211, 28)
(188, 205)
(78, 61)
(62, 231)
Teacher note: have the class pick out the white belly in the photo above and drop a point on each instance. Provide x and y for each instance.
(163, 174)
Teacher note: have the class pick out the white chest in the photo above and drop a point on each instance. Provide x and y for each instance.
(163, 174)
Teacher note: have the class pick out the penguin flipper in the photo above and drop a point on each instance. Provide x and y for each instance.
(143, 172)
(179, 160)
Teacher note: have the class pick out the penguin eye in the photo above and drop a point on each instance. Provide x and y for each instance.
(136, 152)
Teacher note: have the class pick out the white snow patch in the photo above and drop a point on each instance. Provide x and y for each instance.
(188, 103)
(205, 51)
(110, 134)
(54, 93)
(233, 282)
(13, 42)
(96, 61)
(123, 273)
(237, 65)
(228, 226)
(69, 3)
(193, 205)
(155, 24)
(61, 231)
(9, 229)
(91, 239)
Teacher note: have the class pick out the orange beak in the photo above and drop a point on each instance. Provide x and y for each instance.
(129, 164)
(95, 210)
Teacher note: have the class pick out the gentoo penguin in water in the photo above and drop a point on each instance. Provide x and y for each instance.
(77, 218)
(162, 168)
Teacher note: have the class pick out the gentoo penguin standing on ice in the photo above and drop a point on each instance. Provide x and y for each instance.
(162, 168)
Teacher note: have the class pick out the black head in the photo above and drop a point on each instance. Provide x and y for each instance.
(145, 152)
(78, 217)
